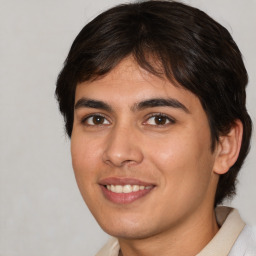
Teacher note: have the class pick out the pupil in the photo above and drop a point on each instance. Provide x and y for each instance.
(160, 120)
(98, 120)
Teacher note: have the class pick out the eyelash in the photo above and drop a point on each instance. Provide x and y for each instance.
(153, 115)
(85, 119)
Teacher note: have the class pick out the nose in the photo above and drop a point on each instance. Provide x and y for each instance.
(123, 147)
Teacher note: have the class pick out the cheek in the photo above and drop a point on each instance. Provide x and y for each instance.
(84, 160)
(85, 163)
(175, 150)
(185, 162)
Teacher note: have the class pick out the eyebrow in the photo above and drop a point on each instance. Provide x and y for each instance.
(89, 103)
(151, 103)
(161, 102)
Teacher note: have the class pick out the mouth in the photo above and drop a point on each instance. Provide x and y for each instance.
(124, 190)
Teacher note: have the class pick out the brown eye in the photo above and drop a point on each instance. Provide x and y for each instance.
(96, 120)
(159, 120)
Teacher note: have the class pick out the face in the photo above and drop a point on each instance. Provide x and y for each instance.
(141, 152)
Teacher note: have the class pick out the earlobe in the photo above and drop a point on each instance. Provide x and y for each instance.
(228, 148)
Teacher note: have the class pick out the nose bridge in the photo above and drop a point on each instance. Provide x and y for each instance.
(122, 146)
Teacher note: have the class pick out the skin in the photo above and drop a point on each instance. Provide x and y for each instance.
(176, 217)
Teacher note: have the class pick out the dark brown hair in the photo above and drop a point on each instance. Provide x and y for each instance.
(172, 40)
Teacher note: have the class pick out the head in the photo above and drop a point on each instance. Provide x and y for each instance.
(170, 41)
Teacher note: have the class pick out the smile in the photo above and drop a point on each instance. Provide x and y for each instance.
(126, 188)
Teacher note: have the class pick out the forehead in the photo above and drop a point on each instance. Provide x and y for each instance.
(128, 83)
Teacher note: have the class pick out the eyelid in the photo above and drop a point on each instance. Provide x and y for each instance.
(170, 119)
(85, 118)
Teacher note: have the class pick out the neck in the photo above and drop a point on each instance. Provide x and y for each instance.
(186, 239)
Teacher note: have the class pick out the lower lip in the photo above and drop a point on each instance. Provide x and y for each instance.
(124, 198)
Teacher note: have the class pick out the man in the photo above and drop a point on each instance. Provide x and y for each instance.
(153, 97)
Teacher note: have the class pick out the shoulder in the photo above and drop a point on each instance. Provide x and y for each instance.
(245, 244)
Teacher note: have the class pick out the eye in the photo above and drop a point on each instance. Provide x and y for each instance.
(159, 120)
(93, 120)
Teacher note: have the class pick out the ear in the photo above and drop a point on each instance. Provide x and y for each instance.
(228, 148)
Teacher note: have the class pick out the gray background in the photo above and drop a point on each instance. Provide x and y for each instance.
(41, 210)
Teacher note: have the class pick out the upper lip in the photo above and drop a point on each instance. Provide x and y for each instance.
(123, 181)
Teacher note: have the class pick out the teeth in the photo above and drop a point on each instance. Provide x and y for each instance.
(113, 188)
(135, 188)
(118, 189)
(126, 188)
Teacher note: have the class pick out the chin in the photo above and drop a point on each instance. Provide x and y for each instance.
(129, 233)
(128, 229)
